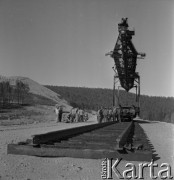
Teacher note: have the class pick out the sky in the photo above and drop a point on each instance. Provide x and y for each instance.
(63, 42)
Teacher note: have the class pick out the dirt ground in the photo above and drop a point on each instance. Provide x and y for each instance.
(22, 167)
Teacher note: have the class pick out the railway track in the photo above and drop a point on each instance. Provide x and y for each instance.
(124, 140)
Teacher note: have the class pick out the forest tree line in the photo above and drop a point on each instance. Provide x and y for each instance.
(152, 108)
(10, 94)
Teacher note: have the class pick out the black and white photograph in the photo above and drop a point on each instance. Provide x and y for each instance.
(86, 89)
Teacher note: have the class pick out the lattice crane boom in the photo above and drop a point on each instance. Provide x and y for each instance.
(125, 56)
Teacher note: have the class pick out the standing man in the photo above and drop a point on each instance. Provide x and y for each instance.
(105, 114)
(100, 115)
(81, 115)
(59, 112)
(72, 115)
(77, 115)
(56, 111)
(110, 112)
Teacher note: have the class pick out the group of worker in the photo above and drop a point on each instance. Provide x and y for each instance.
(108, 114)
(75, 115)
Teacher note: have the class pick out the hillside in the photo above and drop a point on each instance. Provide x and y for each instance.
(152, 108)
(37, 92)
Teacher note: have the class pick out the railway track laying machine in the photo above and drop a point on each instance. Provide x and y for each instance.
(125, 140)
(125, 58)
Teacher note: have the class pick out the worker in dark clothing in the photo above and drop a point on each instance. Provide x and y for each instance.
(59, 113)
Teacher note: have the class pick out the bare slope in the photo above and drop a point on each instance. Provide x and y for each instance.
(36, 88)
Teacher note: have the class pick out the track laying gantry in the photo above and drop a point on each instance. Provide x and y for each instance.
(125, 57)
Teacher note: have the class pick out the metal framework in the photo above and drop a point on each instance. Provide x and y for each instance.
(125, 57)
(116, 99)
